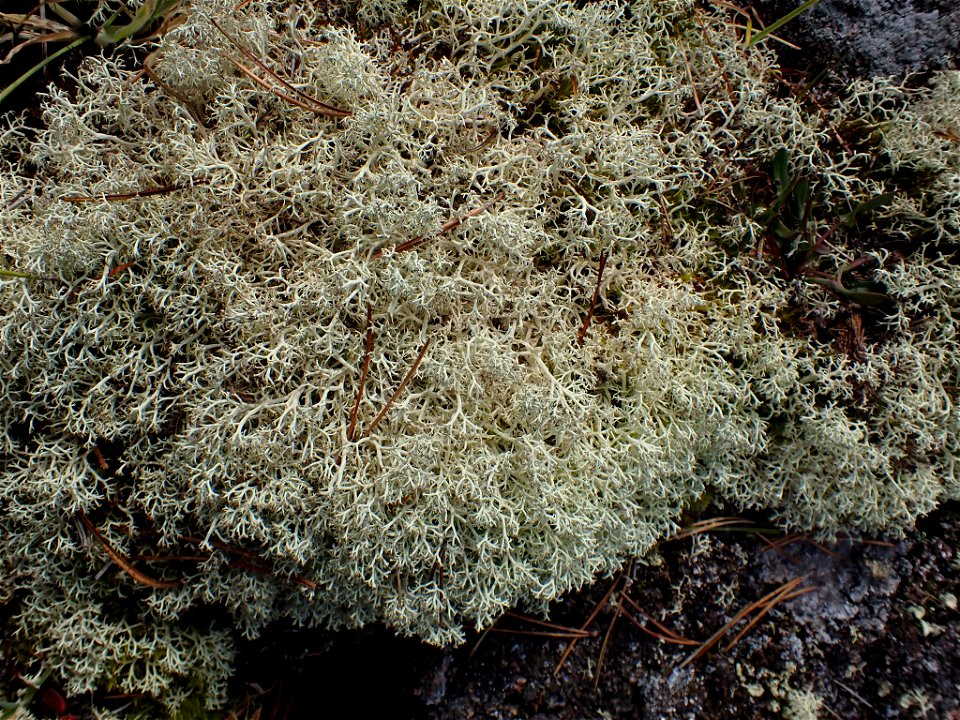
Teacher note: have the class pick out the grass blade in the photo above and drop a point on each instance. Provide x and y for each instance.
(40, 66)
(777, 24)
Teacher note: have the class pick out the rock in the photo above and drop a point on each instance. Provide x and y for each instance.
(866, 38)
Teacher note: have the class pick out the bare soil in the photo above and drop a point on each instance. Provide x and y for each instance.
(876, 636)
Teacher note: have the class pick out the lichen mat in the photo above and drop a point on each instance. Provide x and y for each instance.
(190, 372)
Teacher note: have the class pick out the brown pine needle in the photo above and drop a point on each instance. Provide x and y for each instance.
(122, 562)
(879, 543)
(476, 646)
(406, 379)
(263, 83)
(666, 227)
(778, 546)
(184, 100)
(319, 107)
(363, 375)
(546, 624)
(693, 84)
(656, 635)
(824, 549)
(542, 633)
(593, 615)
(773, 597)
(487, 141)
(668, 634)
(252, 561)
(767, 607)
(706, 526)
(606, 644)
(447, 227)
(267, 570)
(593, 302)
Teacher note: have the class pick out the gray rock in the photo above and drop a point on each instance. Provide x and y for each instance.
(865, 38)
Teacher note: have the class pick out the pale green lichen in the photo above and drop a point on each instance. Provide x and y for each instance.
(222, 366)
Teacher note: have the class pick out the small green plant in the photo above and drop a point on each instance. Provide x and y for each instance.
(12, 709)
(799, 225)
(752, 39)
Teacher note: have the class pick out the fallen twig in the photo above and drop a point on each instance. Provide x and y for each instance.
(447, 227)
(363, 375)
(593, 302)
(114, 197)
(403, 384)
(123, 563)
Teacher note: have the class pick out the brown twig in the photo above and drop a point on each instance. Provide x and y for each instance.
(403, 384)
(487, 141)
(319, 107)
(170, 558)
(447, 227)
(230, 549)
(120, 268)
(593, 302)
(101, 461)
(124, 196)
(251, 561)
(363, 375)
(122, 562)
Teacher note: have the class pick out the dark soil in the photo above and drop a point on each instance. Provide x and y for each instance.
(876, 636)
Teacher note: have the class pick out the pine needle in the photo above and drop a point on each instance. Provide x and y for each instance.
(409, 375)
(123, 563)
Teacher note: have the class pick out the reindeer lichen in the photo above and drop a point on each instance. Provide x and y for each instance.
(184, 368)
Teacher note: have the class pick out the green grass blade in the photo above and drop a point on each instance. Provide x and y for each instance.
(39, 66)
(777, 24)
(16, 274)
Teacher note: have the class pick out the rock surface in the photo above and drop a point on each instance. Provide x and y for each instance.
(865, 38)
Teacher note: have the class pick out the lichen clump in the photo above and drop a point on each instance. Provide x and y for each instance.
(183, 370)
